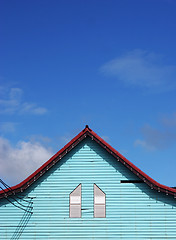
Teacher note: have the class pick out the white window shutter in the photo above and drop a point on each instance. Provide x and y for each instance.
(99, 203)
(75, 202)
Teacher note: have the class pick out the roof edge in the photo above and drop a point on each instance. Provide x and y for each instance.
(68, 147)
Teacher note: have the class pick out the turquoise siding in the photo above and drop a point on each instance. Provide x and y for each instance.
(133, 211)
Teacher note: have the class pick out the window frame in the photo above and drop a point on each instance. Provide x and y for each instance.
(75, 204)
(104, 204)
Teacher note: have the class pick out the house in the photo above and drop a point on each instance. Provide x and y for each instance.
(88, 190)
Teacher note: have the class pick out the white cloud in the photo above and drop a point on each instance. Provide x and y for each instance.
(16, 163)
(12, 102)
(142, 69)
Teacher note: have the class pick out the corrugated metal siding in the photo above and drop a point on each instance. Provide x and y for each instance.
(133, 211)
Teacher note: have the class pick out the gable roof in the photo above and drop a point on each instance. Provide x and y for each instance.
(86, 132)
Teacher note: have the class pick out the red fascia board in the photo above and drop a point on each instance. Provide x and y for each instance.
(87, 131)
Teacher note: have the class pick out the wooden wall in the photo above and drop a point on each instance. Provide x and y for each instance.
(133, 210)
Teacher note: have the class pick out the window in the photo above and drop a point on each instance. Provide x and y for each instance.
(99, 203)
(75, 202)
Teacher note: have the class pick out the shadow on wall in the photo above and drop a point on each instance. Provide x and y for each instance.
(23, 222)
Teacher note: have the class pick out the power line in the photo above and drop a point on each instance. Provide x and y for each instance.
(18, 202)
(15, 199)
(11, 190)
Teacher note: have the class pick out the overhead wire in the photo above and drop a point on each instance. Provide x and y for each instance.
(11, 190)
(18, 202)
(14, 199)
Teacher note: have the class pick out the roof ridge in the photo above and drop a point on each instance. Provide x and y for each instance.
(68, 147)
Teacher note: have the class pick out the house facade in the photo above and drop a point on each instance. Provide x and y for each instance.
(88, 190)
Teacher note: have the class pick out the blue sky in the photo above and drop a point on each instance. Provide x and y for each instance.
(109, 64)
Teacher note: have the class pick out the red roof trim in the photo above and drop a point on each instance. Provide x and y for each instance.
(68, 147)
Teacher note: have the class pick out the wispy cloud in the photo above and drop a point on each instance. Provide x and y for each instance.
(11, 102)
(142, 69)
(16, 163)
(39, 138)
(169, 121)
(158, 138)
(32, 108)
(8, 126)
(144, 144)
